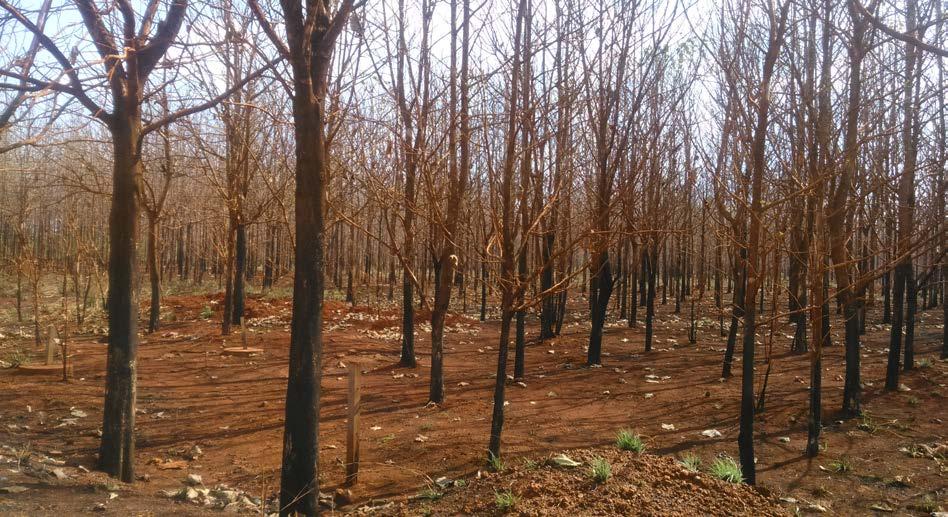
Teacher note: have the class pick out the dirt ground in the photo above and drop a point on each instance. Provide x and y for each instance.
(220, 417)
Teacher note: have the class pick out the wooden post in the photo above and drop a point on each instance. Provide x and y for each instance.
(65, 350)
(50, 343)
(352, 434)
(243, 332)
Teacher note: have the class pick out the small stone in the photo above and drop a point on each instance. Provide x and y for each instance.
(225, 496)
(98, 507)
(784, 439)
(194, 480)
(13, 489)
(421, 438)
(60, 474)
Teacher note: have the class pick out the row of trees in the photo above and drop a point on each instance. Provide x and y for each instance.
(790, 153)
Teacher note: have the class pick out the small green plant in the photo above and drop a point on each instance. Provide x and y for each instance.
(430, 494)
(529, 464)
(387, 438)
(206, 312)
(496, 463)
(841, 465)
(691, 462)
(505, 500)
(726, 469)
(460, 483)
(925, 362)
(17, 357)
(600, 470)
(928, 505)
(867, 424)
(628, 440)
(913, 401)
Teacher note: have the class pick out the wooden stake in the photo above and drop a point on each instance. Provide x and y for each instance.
(50, 342)
(352, 434)
(65, 350)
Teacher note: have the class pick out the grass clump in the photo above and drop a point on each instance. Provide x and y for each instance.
(925, 363)
(867, 424)
(505, 500)
(206, 312)
(600, 470)
(726, 469)
(841, 465)
(430, 494)
(628, 440)
(496, 463)
(691, 462)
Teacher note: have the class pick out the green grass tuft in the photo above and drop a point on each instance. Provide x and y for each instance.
(496, 463)
(726, 469)
(628, 440)
(691, 462)
(505, 500)
(841, 465)
(600, 470)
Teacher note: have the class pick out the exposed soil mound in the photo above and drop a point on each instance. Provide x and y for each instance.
(639, 485)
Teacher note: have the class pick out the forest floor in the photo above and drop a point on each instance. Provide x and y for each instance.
(220, 417)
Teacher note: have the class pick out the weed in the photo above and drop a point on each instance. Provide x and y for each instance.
(726, 469)
(496, 463)
(867, 424)
(841, 465)
(530, 464)
(207, 312)
(430, 494)
(600, 470)
(925, 363)
(17, 357)
(913, 401)
(505, 501)
(387, 438)
(691, 462)
(629, 441)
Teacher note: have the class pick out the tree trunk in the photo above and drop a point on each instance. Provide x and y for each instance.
(240, 266)
(153, 274)
(117, 446)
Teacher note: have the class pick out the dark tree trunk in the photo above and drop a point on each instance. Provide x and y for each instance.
(737, 312)
(649, 259)
(601, 290)
(154, 277)
(908, 362)
(117, 446)
(408, 323)
(240, 266)
(299, 483)
(547, 311)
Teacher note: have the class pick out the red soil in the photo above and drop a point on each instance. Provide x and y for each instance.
(232, 408)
